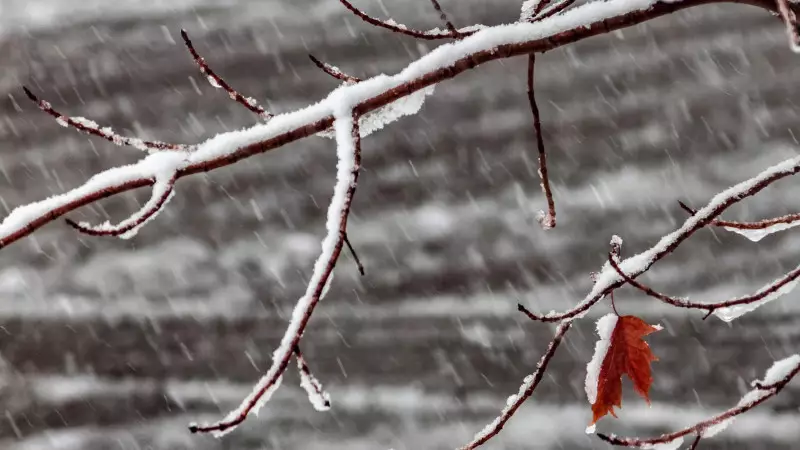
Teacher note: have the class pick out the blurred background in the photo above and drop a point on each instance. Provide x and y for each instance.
(112, 344)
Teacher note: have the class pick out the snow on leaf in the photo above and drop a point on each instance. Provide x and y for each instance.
(623, 352)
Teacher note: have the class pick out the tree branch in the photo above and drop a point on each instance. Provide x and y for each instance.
(781, 373)
(90, 127)
(348, 142)
(395, 27)
(759, 225)
(445, 19)
(608, 279)
(529, 385)
(611, 16)
(546, 219)
(334, 71)
(765, 294)
(219, 82)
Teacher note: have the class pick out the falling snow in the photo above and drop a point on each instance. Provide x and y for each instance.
(120, 344)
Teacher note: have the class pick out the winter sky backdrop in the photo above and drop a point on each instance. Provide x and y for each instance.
(120, 344)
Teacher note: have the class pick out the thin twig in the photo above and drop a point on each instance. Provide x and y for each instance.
(445, 19)
(312, 384)
(355, 256)
(89, 127)
(696, 442)
(710, 307)
(334, 71)
(760, 225)
(218, 82)
(546, 220)
(402, 29)
(555, 9)
(667, 244)
(525, 391)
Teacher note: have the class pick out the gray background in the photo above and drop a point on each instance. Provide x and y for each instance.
(111, 344)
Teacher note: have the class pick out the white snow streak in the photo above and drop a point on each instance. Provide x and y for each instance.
(730, 313)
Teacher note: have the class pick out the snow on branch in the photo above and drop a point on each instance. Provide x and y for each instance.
(529, 385)
(726, 310)
(318, 397)
(755, 231)
(776, 378)
(220, 83)
(163, 191)
(334, 71)
(381, 99)
(348, 151)
(609, 278)
(87, 126)
(354, 110)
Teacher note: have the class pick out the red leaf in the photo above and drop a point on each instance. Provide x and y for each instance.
(627, 354)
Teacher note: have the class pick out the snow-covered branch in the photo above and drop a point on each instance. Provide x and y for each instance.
(393, 96)
(755, 231)
(525, 391)
(358, 108)
(609, 278)
(87, 126)
(348, 151)
(395, 27)
(220, 83)
(334, 71)
(316, 394)
(726, 310)
(776, 378)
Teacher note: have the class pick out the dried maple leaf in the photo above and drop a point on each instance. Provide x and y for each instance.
(620, 351)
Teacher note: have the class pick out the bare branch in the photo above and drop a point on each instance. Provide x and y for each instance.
(445, 19)
(347, 129)
(762, 294)
(529, 385)
(696, 442)
(402, 29)
(355, 256)
(546, 220)
(334, 71)
(761, 393)
(555, 9)
(89, 127)
(218, 82)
